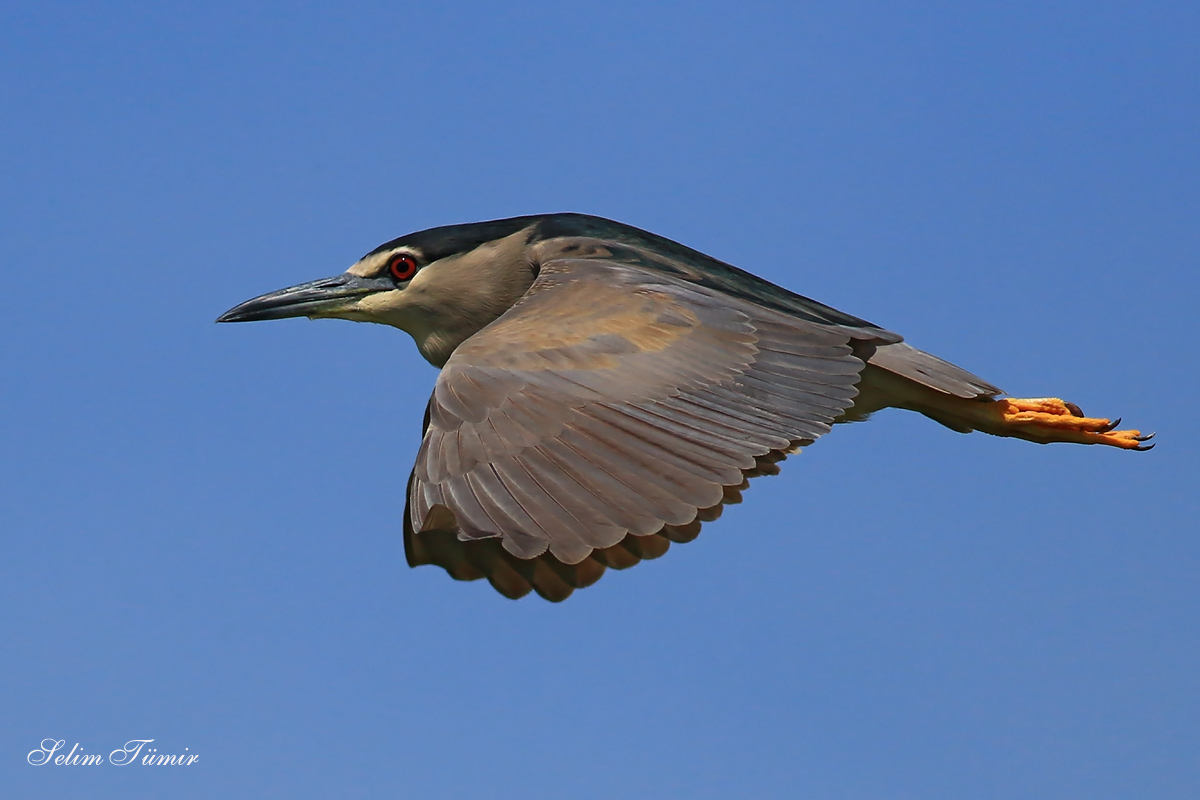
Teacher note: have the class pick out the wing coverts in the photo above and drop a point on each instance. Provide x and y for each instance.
(608, 413)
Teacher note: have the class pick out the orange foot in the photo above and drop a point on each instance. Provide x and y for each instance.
(1048, 419)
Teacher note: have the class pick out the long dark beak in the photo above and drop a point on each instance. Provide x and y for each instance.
(315, 298)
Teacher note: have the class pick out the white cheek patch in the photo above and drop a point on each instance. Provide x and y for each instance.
(380, 304)
(370, 266)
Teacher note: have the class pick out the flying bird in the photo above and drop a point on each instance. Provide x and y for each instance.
(604, 390)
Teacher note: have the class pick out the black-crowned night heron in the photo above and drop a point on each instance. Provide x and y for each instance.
(604, 390)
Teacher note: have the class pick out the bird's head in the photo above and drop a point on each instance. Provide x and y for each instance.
(441, 285)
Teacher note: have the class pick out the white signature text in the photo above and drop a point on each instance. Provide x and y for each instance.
(53, 751)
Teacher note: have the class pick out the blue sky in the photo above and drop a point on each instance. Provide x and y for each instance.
(202, 523)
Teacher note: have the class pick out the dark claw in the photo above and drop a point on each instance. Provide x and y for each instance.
(1110, 426)
(1142, 449)
(1074, 409)
(1145, 437)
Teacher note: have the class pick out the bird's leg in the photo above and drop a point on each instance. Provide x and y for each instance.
(1042, 420)
(1048, 419)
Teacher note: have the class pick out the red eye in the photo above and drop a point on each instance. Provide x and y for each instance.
(402, 266)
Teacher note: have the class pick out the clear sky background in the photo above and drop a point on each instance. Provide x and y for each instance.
(201, 523)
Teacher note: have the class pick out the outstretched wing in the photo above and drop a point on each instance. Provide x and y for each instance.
(607, 414)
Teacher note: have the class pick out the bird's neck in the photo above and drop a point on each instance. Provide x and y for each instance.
(459, 296)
